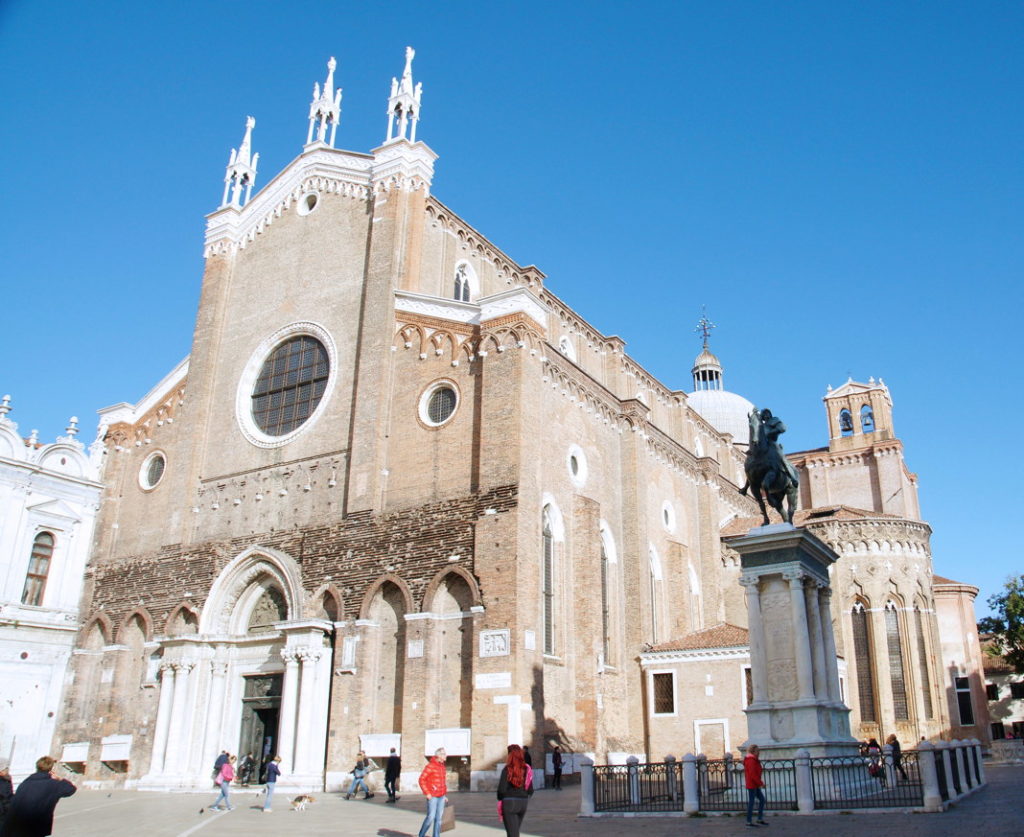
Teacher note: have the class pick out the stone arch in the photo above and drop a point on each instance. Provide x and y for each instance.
(182, 620)
(144, 618)
(327, 603)
(242, 583)
(371, 592)
(384, 608)
(96, 632)
(411, 336)
(476, 600)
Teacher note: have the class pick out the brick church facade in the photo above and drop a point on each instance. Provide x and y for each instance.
(400, 494)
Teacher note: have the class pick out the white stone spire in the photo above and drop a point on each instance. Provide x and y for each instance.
(404, 104)
(325, 108)
(241, 172)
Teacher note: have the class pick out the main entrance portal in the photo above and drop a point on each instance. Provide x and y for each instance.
(261, 707)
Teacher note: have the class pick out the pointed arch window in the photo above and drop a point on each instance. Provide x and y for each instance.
(38, 569)
(548, 581)
(922, 658)
(606, 644)
(461, 284)
(867, 419)
(865, 668)
(845, 422)
(894, 645)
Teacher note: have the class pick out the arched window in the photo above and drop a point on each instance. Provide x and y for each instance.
(38, 569)
(894, 646)
(922, 658)
(865, 668)
(845, 422)
(548, 582)
(867, 419)
(461, 284)
(605, 607)
(655, 576)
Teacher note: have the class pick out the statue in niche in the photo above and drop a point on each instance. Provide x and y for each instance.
(768, 471)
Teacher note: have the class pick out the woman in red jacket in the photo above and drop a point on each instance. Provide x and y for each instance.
(755, 786)
(433, 783)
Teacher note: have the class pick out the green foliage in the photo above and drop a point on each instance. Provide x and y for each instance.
(1007, 626)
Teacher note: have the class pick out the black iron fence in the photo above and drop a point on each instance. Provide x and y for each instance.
(722, 787)
(638, 787)
(846, 782)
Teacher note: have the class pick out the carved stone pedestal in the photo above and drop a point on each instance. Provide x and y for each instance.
(797, 704)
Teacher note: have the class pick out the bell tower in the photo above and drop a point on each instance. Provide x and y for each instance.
(859, 415)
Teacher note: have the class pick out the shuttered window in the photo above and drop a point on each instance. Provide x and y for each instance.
(548, 546)
(922, 656)
(865, 669)
(894, 646)
(38, 570)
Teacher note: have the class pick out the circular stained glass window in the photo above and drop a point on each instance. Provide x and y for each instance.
(290, 385)
(441, 405)
(152, 470)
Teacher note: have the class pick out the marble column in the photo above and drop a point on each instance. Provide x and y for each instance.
(831, 663)
(212, 745)
(801, 638)
(289, 706)
(163, 719)
(817, 640)
(758, 663)
(306, 708)
(177, 733)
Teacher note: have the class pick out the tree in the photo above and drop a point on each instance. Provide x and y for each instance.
(1007, 626)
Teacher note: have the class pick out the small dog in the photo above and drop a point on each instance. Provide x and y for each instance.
(300, 802)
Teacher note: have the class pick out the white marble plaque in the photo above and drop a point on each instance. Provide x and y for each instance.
(414, 649)
(494, 680)
(530, 641)
(494, 643)
(348, 652)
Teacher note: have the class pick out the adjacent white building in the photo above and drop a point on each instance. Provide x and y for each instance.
(49, 496)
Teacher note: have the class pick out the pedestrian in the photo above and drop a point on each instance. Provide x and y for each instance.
(31, 810)
(755, 786)
(218, 764)
(273, 772)
(224, 779)
(434, 784)
(515, 787)
(527, 757)
(556, 763)
(245, 769)
(392, 773)
(897, 755)
(359, 772)
(6, 791)
(875, 761)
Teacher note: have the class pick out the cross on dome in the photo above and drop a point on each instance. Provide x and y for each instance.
(325, 108)
(241, 171)
(404, 104)
(704, 326)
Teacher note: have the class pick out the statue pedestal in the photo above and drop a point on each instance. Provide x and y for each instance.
(797, 704)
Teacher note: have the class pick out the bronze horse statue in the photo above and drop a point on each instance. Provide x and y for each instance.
(767, 468)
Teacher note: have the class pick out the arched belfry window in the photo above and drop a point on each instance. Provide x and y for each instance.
(922, 660)
(38, 569)
(548, 581)
(894, 645)
(461, 284)
(864, 662)
(845, 422)
(867, 419)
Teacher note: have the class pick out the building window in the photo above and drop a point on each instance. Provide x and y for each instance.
(290, 385)
(867, 419)
(663, 689)
(992, 691)
(548, 582)
(894, 645)
(863, 659)
(606, 643)
(922, 661)
(1017, 690)
(438, 403)
(38, 570)
(963, 701)
(461, 284)
(1018, 729)
(748, 686)
(998, 731)
(845, 422)
(152, 470)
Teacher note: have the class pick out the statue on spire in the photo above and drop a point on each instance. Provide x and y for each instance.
(241, 171)
(404, 103)
(325, 109)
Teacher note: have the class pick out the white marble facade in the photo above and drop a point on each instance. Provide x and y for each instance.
(49, 495)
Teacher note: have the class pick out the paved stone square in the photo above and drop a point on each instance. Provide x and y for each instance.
(997, 809)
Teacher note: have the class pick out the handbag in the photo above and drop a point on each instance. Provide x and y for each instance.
(448, 817)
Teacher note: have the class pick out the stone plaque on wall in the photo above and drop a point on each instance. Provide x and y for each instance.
(494, 643)
(414, 649)
(530, 641)
(493, 680)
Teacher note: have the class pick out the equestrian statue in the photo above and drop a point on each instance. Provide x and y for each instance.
(767, 468)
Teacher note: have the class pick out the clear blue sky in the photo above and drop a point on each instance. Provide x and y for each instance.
(839, 183)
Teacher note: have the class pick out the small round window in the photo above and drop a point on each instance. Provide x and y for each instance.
(308, 202)
(576, 463)
(152, 470)
(438, 404)
(290, 385)
(668, 516)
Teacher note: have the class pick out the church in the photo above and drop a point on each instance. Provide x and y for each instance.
(400, 494)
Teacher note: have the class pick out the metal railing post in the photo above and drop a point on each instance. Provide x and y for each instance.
(586, 787)
(634, 779)
(671, 782)
(929, 777)
(691, 798)
(804, 783)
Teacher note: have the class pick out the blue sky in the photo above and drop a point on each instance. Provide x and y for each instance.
(839, 183)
